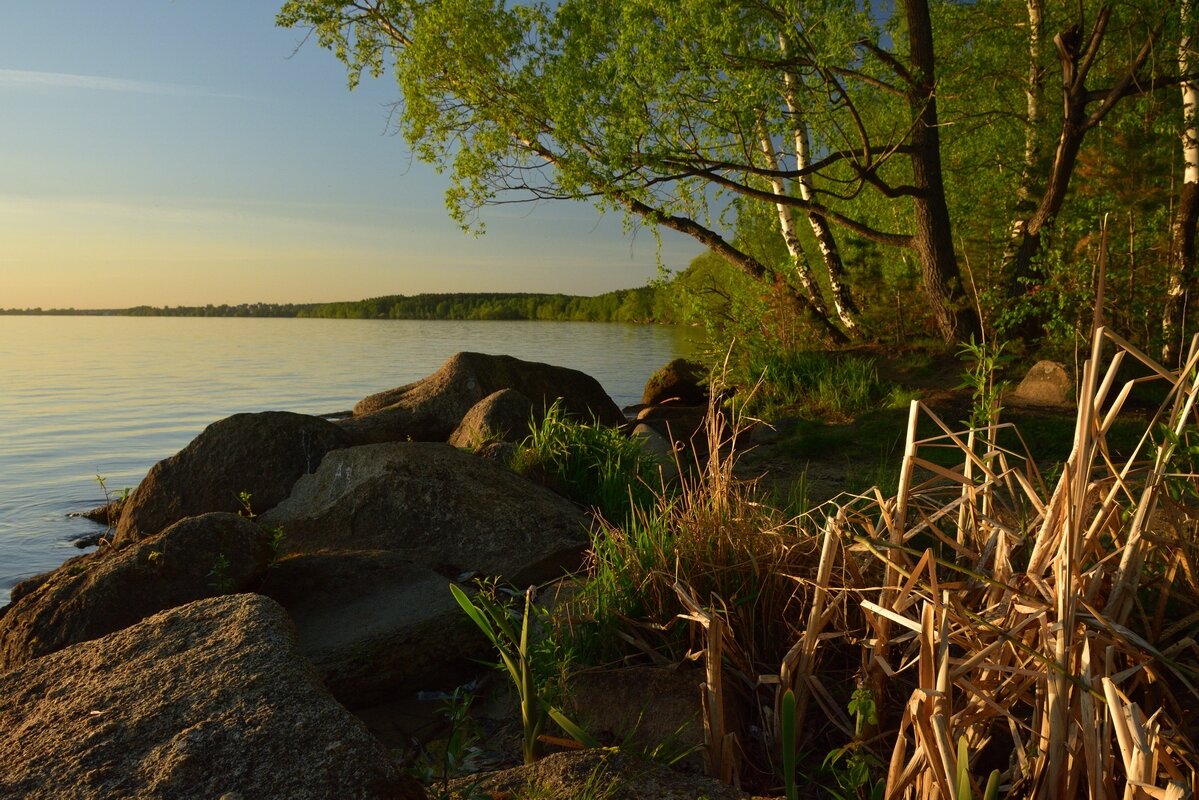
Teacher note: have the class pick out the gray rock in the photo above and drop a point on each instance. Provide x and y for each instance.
(430, 409)
(1047, 384)
(262, 454)
(659, 448)
(207, 700)
(500, 416)
(102, 592)
(685, 426)
(439, 507)
(369, 621)
(680, 381)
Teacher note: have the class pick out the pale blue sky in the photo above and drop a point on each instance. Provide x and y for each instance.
(172, 152)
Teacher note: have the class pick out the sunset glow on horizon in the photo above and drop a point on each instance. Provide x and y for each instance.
(188, 153)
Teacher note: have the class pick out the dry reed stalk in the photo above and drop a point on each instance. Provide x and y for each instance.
(1008, 614)
(800, 662)
(721, 750)
(996, 648)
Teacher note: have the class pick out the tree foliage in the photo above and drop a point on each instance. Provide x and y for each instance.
(945, 139)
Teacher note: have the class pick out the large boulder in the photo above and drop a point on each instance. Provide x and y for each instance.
(439, 507)
(370, 621)
(502, 416)
(1047, 384)
(102, 592)
(260, 455)
(430, 409)
(680, 381)
(685, 427)
(208, 700)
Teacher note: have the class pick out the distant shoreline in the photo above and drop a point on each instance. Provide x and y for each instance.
(648, 304)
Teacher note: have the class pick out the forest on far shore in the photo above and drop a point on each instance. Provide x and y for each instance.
(644, 304)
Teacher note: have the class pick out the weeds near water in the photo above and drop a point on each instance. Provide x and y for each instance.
(494, 619)
(593, 464)
(459, 752)
(1003, 634)
(113, 504)
(984, 361)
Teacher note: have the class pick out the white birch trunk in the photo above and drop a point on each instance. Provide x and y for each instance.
(847, 311)
(1190, 100)
(1182, 256)
(787, 226)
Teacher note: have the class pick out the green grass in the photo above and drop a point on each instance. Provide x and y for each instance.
(593, 464)
(869, 450)
(819, 384)
(714, 537)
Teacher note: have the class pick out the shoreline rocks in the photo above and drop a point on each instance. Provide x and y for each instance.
(207, 700)
(141, 683)
(246, 462)
(430, 409)
(102, 592)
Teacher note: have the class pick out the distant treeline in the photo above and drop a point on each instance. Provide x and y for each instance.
(626, 305)
(647, 304)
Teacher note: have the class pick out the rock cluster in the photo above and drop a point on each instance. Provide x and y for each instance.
(144, 669)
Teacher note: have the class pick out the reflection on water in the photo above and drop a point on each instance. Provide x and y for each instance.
(110, 396)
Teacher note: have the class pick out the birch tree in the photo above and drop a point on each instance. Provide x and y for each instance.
(1095, 75)
(1186, 214)
(657, 109)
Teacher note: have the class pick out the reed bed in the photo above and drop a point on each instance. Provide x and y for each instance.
(1046, 634)
(1011, 636)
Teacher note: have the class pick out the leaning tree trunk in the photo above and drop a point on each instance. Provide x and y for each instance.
(955, 316)
(830, 253)
(799, 260)
(1024, 243)
(1186, 216)
(1076, 62)
(749, 265)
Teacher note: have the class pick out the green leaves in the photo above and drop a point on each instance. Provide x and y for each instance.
(495, 621)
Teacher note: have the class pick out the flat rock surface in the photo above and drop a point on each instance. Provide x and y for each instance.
(440, 507)
(208, 700)
(370, 621)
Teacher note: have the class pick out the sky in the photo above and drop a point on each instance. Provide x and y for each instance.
(185, 152)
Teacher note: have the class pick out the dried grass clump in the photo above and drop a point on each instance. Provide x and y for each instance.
(1042, 633)
(708, 542)
(1054, 637)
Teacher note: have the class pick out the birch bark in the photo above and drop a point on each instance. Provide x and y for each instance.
(1186, 215)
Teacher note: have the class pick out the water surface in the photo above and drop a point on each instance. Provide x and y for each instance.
(82, 397)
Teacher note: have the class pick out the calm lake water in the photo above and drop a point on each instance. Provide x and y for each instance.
(82, 397)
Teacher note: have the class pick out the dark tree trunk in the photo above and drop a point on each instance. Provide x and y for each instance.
(742, 261)
(1024, 244)
(933, 239)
